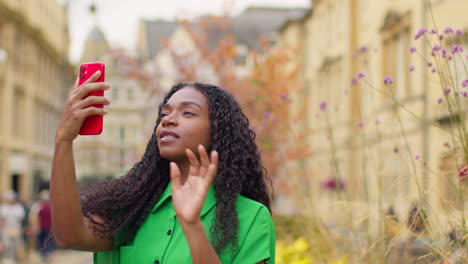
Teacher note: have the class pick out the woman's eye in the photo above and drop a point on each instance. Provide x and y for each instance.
(188, 113)
(163, 115)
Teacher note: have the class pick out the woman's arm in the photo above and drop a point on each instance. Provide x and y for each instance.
(201, 249)
(70, 228)
(188, 198)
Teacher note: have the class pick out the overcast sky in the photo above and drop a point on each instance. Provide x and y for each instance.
(118, 18)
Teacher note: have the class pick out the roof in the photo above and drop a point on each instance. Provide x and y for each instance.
(96, 35)
(155, 32)
(253, 23)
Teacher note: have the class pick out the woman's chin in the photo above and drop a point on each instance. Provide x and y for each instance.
(173, 155)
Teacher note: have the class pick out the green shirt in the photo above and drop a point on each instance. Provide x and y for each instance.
(160, 238)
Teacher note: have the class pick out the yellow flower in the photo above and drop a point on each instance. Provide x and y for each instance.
(342, 260)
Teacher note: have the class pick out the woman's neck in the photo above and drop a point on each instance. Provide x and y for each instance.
(184, 168)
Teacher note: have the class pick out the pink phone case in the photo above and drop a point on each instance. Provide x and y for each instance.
(92, 125)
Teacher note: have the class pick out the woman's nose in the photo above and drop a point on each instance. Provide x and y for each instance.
(169, 120)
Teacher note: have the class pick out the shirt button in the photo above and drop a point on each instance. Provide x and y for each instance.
(169, 232)
(156, 262)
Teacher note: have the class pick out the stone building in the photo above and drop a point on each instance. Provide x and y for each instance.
(35, 77)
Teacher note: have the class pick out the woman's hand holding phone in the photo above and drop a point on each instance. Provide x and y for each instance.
(77, 107)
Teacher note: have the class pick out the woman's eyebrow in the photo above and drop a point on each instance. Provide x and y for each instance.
(184, 103)
(187, 103)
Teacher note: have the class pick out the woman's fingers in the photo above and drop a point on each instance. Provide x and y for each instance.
(205, 161)
(92, 111)
(92, 100)
(194, 164)
(175, 175)
(93, 77)
(206, 166)
(85, 89)
(213, 168)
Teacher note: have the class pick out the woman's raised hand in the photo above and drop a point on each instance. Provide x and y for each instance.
(188, 197)
(76, 109)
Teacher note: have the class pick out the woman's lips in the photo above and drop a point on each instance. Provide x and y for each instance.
(168, 136)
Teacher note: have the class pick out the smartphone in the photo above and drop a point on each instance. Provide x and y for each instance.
(92, 125)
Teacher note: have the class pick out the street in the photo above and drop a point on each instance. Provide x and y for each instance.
(61, 256)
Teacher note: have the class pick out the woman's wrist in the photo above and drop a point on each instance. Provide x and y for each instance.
(192, 227)
(59, 138)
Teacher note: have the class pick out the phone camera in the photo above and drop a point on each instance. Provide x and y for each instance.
(81, 76)
(82, 69)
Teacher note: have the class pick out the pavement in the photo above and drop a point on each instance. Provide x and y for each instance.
(59, 256)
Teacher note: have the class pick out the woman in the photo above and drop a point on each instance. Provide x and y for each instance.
(179, 204)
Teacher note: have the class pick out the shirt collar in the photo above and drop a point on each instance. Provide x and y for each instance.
(210, 199)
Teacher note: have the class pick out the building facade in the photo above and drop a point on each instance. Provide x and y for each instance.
(35, 77)
(385, 145)
(123, 140)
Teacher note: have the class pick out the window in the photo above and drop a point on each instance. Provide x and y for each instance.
(17, 54)
(122, 133)
(115, 94)
(459, 67)
(396, 44)
(122, 160)
(130, 94)
(331, 82)
(18, 113)
(2, 117)
(449, 182)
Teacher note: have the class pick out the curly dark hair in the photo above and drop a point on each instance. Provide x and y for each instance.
(125, 202)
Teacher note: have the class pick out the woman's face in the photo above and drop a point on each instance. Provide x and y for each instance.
(185, 123)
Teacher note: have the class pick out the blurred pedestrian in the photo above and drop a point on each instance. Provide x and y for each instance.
(46, 243)
(392, 232)
(418, 244)
(12, 215)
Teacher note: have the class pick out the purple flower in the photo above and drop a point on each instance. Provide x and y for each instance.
(388, 80)
(411, 68)
(433, 53)
(361, 75)
(421, 32)
(282, 95)
(447, 90)
(439, 101)
(458, 32)
(354, 81)
(413, 49)
(436, 47)
(433, 70)
(363, 49)
(360, 124)
(448, 30)
(417, 156)
(433, 31)
(429, 64)
(464, 93)
(333, 184)
(463, 172)
(465, 83)
(450, 57)
(323, 106)
(456, 49)
(441, 37)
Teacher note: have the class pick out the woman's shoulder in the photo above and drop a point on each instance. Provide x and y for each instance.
(249, 203)
(251, 209)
